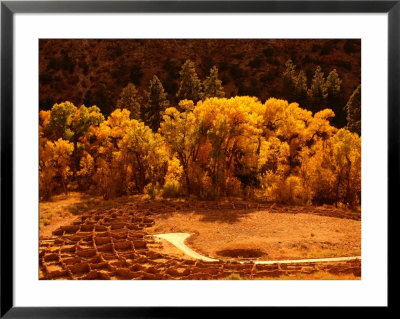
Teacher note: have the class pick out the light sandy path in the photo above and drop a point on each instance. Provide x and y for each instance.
(178, 240)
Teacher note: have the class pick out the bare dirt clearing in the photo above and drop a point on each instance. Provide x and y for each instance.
(178, 240)
(263, 234)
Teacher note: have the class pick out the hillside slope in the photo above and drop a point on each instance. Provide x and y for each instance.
(77, 70)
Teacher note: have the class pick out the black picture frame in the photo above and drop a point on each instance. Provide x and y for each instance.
(9, 8)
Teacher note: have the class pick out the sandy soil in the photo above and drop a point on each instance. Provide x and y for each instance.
(277, 235)
(178, 240)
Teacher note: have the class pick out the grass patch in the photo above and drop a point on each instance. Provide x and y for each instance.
(330, 254)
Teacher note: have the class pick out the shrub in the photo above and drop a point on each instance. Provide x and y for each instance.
(151, 190)
(171, 189)
(289, 190)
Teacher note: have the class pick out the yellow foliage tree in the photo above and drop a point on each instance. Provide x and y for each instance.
(54, 166)
(216, 147)
(346, 148)
(231, 127)
(183, 135)
(127, 155)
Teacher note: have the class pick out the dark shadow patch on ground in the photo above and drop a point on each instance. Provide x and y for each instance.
(241, 253)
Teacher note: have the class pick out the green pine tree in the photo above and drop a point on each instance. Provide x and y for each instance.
(317, 93)
(289, 81)
(353, 109)
(190, 87)
(129, 100)
(334, 98)
(156, 104)
(301, 89)
(212, 85)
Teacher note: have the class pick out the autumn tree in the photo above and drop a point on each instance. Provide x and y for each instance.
(190, 87)
(111, 173)
(347, 162)
(353, 109)
(54, 166)
(288, 130)
(231, 127)
(127, 155)
(60, 121)
(70, 123)
(173, 178)
(156, 104)
(183, 137)
(144, 151)
(316, 174)
(212, 85)
(212, 148)
(129, 99)
(86, 171)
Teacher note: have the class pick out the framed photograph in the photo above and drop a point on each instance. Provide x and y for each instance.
(162, 155)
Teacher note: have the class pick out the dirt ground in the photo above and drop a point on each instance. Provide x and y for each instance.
(265, 235)
(85, 237)
(62, 209)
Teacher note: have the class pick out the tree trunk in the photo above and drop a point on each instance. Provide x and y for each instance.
(64, 186)
(348, 197)
(337, 188)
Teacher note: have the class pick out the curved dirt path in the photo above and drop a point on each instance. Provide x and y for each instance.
(178, 240)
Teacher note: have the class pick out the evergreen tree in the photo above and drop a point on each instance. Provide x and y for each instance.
(317, 94)
(301, 89)
(156, 104)
(353, 109)
(334, 98)
(289, 82)
(129, 100)
(212, 85)
(190, 87)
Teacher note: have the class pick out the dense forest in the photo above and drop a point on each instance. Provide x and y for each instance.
(207, 145)
(302, 146)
